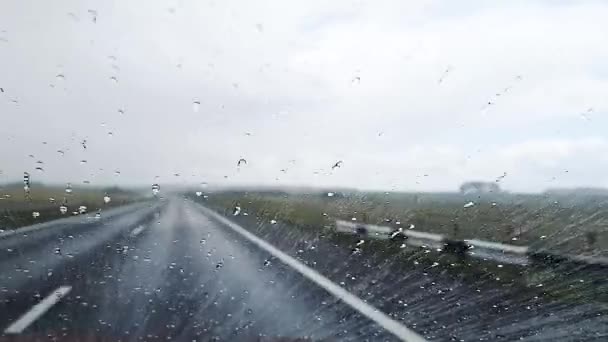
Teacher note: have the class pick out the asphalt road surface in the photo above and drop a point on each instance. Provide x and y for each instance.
(162, 271)
(174, 270)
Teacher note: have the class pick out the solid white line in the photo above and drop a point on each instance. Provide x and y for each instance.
(365, 309)
(37, 310)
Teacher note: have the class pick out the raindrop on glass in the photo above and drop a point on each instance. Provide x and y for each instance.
(39, 169)
(93, 15)
(68, 188)
(63, 209)
(155, 189)
(114, 79)
(196, 105)
(468, 205)
(35, 214)
(106, 199)
(199, 193)
(83, 161)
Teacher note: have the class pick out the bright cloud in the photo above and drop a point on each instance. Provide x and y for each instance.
(410, 95)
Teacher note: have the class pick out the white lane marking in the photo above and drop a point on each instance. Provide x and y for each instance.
(37, 310)
(137, 230)
(394, 327)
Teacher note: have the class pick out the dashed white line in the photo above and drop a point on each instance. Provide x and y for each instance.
(37, 310)
(137, 230)
(391, 325)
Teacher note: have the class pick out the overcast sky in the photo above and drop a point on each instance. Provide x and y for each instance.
(410, 95)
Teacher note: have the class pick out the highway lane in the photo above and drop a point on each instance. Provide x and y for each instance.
(159, 271)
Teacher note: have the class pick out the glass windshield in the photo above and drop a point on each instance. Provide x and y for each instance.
(304, 170)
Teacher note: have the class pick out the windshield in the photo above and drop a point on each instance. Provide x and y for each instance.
(304, 170)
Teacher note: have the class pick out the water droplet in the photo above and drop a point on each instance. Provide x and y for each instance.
(330, 194)
(241, 161)
(203, 241)
(110, 134)
(219, 265)
(60, 152)
(114, 79)
(97, 215)
(121, 112)
(60, 77)
(93, 15)
(273, 221)
(338, 164)
(155, 189)
(199, 193)
(469, 204)
(63, 209)
(35, 214)
(57, 251)
(267, 262)
(353, 219)
(543, 237)
(39, 169)
(82, 209)
(196, 105)
(83, 161)
(52, 199)
(68, 188)
(106, 199)
(116, 172)
(236, 211)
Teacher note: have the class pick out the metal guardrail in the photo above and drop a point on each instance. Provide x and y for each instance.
(486, 250)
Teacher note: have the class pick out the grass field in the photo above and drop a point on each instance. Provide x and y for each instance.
(17, 209)
(308, 218)
(568, 224)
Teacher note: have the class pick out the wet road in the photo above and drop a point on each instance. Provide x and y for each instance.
(158, 271)
(175, 270)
